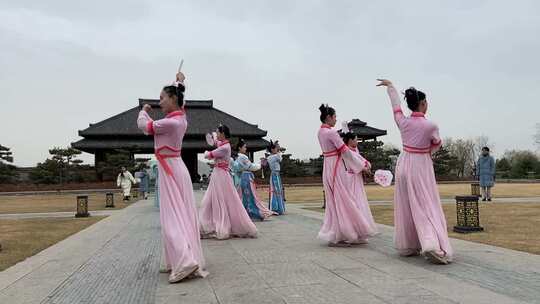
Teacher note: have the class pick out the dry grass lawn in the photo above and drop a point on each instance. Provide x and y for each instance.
(509, 225)
(377, 193)
(54, 203)
(24, 238)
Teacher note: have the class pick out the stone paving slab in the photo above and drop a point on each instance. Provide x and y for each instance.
(123, 271)
(112, 251)
(117, 260)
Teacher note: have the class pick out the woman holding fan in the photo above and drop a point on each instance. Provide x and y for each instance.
(178, 214)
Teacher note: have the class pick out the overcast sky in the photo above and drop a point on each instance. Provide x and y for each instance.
(67, 63)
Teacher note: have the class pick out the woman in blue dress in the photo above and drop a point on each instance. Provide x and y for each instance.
(235, 171)
(277, 203)
(254, 206)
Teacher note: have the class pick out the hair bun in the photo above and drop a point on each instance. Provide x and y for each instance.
(323, 108)
(410, 92)
(180, 88)
(413, 98)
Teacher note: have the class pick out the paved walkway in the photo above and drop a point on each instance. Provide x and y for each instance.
(117, 261)
(108, 212)
(19, 216)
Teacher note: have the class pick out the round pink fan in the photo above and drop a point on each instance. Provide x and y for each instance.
(264, 162)
(210, 139)
(383, 177)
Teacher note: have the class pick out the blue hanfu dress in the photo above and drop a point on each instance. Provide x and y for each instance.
(254, 206)
(277, 202)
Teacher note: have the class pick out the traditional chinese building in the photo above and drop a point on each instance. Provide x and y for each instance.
(119, 133)
(364, 132)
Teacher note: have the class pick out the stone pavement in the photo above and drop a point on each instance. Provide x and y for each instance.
(117, 260)
(20, 216)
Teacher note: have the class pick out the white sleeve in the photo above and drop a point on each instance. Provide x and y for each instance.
(255, 167)
(394, 96)
(399, 118)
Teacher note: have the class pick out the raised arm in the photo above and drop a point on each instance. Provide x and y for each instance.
(144, 121)
(219, 152)
(394, 100)
(151, 127)
(246, 164)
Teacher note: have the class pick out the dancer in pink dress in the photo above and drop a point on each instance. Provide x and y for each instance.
(355, 175)
(222, 214)
(344, 223)
(178, 214)
(420, 224)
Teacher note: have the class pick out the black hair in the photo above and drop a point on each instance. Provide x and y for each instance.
(485, 149)
(413, 98)
(177, 91)
(347, 136)
(272, 145)
(240, 144)
(325, 112)
(225, 130)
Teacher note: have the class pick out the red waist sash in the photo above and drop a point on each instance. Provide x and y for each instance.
(223, 165)
(337, 152)
(161, 157)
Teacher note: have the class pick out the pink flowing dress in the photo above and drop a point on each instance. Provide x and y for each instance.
(357, 186)
(222, 212)
(419, 219)
(178, 213)
(343, 221)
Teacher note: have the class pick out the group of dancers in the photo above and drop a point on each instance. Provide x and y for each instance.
(228, 207)
(231, 203)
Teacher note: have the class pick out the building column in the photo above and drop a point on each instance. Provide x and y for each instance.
(192, 163)
(99, 156)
